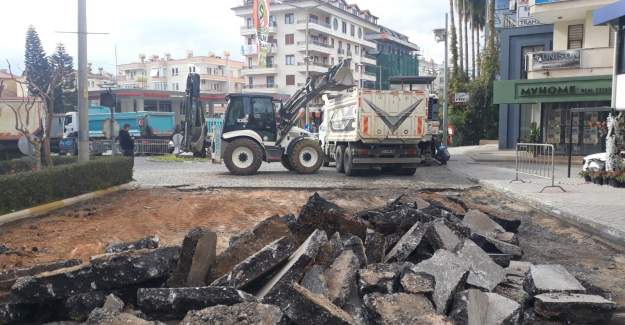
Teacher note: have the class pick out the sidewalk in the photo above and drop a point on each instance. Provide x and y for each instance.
(599, 210)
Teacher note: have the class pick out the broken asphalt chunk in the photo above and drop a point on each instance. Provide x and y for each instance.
(80, 306)
(474, 307)
(481, 223)
(341, 277)
(441, 237)
(174, 303)
(319, 213)
(574, 308)
(179, 277)
(407, 244)
(484, 273)
(149, 242)
(330, 250)
(246, 313)
(491, 245)
(416, 282)
(306, 307)
(203, 261)
(257, 265)
(355, 244)
(8, 278)
(375, 246)
(551, 278)
(378, 278)
(402, 308)
(315, 280)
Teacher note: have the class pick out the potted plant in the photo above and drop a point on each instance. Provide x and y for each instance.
(586, 176)
(597, 178)
(609, 179)
(619, 180)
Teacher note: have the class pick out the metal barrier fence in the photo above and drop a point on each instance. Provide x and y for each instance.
(142, 147)
(538, 160)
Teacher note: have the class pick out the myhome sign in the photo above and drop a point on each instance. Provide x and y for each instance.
(564, 89)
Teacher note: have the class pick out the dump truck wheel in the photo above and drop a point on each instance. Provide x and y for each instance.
(286, 164)
(243, 157)
(348, 162)
(338, 157)
(306, 157)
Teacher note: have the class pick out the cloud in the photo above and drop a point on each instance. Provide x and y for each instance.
(160, 26)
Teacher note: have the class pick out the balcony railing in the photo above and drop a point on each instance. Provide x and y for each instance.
(314, 42)
(268, 66)
(594, 61)
(317, 64)
(261, 86)
(315, 22)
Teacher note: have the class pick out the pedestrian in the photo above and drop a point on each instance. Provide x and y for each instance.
(126, 142)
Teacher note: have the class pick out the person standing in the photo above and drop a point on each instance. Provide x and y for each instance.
(126, 142)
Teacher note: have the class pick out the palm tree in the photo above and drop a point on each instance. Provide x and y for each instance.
(478, 21)
(454, 38)
(460, 4)
(466, 12)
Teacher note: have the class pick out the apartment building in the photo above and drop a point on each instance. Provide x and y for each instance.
(336, 31)
(395, 56)
(217, 74)
(559, 77)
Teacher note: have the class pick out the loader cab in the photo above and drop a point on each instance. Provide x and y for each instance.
(252, 112)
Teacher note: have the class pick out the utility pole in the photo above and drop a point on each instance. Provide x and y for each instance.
(306, 60)
(616, 29)
(83, 96)
(445, 89)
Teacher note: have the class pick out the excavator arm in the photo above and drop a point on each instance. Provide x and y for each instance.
(195, 123)
(338, 77)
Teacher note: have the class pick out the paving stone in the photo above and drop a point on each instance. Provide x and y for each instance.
(441, 237)
(80, 306)
(257, 265)
(330, 250)
(100, 316)
(315, 280)
(481, 223)
(247, 313)
(449, 272)
(113, 303)
(474, 307)
(174, 303)
(319, 213)
(306, 307)
(378, 278)
(407, 244)
(341, 276)
(356, 245)
(203, 261)
(484, 273)
(277, 289)
(574, 308)
(249, 242)
(416, 282)
(375, 246)
(492, 245)
(402, 308)
(551, 278)
(179, 277)
(149, 242)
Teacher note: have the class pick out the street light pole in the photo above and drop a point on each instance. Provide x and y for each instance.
(83, 97)
(445, 88)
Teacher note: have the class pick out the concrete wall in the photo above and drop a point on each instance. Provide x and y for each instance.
(594, 36)
(512, 42)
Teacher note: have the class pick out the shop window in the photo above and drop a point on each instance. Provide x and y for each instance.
(164, 106)
(290, 80)
(576, 36)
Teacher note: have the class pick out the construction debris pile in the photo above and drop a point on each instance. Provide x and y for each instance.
(404, 263)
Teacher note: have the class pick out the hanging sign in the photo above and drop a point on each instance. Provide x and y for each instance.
(260, 16)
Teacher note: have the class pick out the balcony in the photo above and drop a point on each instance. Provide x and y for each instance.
(253, 49)
(265, 89)
(250, 30)
(256, 70)
(571, 63)
(369, 59)
(313, 67)
(316, 46)
(552, 11)
(315, 25)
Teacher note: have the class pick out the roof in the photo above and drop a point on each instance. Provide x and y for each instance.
(609, 13)
(411, 80)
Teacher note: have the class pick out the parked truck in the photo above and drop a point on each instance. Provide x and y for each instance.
(143, 125)
(365, 129)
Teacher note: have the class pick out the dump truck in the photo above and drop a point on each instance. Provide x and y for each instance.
(388, 129)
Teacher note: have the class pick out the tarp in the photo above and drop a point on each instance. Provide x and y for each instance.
(609, 13)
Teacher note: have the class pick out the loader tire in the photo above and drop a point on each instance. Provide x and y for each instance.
(243, 157)
(306, 157)
(339, 155)
(286, 164)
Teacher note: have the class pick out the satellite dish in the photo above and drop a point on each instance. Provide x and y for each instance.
(25, 147)
(106, 128)
(177, 139)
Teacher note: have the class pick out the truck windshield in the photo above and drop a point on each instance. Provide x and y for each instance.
(68, 119)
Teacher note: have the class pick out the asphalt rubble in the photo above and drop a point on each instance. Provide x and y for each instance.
(404, 263)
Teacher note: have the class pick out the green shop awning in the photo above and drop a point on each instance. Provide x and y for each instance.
(553, 90)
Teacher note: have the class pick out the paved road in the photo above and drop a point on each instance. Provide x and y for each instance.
(203, 174)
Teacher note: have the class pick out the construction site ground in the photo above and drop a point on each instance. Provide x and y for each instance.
(85, 230)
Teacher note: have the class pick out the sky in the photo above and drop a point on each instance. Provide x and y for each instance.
(165, 26)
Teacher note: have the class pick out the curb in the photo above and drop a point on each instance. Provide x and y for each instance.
(610, 236)
(52, 206)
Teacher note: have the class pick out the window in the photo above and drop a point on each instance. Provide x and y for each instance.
(175, 86)
(269, 62)
(248, 22)
(289, 19)
(332, 42)
(313, 19)
(272, 21)
(250, 40)
(357, 49)
(359, 32)
(250, 63)
(174, 72)
(191, 68)
(164, 106)
(336, 24)
(271, 81)
(344, 28)
(289, 39)
(352, 30)
(150, 106)
(289, 60)
(576, 36)
(250, 81)
(290, 80)
(328, 21)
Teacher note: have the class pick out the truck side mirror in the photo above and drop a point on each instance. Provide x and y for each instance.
(108, 100)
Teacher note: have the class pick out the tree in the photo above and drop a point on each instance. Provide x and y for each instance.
(466, 35)
(460, 10)
(453, 43)
(65, 96)
(37, 67)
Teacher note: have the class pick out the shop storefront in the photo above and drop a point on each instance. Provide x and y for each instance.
(545, 111)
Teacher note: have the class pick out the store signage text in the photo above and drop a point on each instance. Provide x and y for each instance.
(556, 59)
(572, 90)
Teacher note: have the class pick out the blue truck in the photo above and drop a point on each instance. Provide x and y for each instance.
(143, 125)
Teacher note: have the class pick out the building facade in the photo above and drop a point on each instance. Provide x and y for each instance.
(613, 15)
(395, 56)
(336, 31)
(218, 74)
(550, 68)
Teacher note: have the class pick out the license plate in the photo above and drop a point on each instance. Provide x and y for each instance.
(388, 151)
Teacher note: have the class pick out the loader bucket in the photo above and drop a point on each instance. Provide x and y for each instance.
(342, 78)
